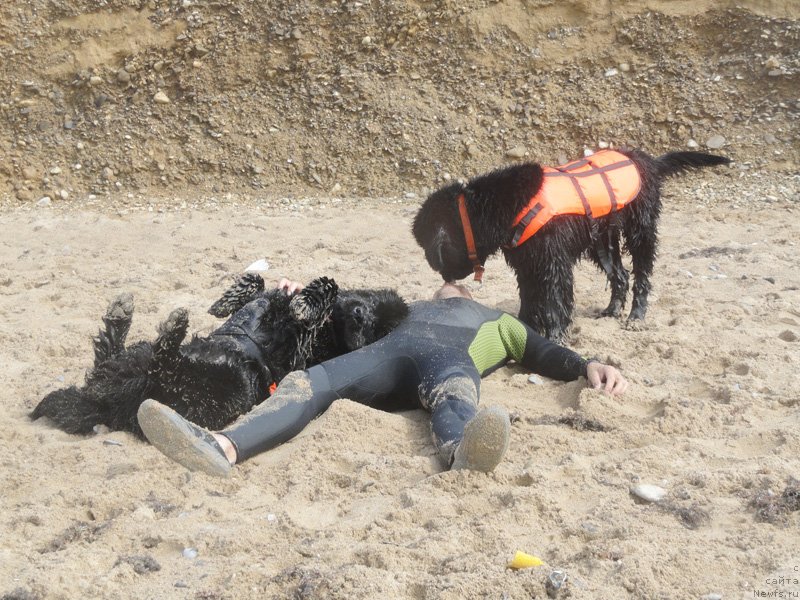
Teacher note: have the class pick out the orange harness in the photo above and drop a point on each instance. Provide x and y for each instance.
(593, 186)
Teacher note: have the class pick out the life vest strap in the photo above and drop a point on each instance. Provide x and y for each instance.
(529, 216)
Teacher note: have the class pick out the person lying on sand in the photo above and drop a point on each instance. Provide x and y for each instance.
(434, 359)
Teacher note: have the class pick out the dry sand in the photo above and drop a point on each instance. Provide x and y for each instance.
(357, 506)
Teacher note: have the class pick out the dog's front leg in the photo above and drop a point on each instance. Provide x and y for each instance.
(618, 278)
(245, 289)
(546, 304)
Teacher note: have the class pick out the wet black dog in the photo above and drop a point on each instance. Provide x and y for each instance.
(212, 380)
(544, 263)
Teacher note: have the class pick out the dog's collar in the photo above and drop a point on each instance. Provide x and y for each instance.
(477, 267)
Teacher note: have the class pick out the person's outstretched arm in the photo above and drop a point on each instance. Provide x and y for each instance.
(555, 361)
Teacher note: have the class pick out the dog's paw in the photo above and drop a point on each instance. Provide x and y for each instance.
(613, 310)
(635, 324)
(120, 308)
(246, 287)
(315, 302)
(177, 322)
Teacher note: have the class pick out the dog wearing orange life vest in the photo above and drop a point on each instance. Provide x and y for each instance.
(545, 219)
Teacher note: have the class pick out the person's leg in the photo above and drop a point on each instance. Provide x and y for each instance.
(301, 396)
(465, 437)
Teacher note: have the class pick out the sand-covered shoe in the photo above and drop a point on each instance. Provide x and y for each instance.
(182, 441)
(485, 441)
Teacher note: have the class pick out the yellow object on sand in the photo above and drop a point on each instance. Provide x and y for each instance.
(524, 561)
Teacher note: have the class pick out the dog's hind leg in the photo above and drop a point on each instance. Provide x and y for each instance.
(167, 358)
(110, 341)
(643, 251)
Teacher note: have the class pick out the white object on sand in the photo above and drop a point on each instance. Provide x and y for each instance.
(259, 266)
(648, 492)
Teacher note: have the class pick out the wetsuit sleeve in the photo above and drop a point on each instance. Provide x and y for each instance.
(550, 359)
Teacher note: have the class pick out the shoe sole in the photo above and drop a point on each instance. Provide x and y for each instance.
(178, 439)
(485, 440)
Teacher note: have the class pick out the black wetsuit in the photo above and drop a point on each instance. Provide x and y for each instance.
(434, 359)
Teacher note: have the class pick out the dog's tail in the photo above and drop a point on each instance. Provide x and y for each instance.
(71, 410)
(674, 163)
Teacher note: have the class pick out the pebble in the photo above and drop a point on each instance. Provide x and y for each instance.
(712, 597)
(44, 201)
(161, 98)
(29, 173)
(64, 194)
(611, 72)
(624, 67)
(95, 80)
(648, 492)
(535, 379)
(692, 144)
(123, 76)
(55, 170)
(716, 142)
(517, 152)
(190, 552)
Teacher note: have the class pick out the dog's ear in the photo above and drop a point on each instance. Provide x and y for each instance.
(390, 310)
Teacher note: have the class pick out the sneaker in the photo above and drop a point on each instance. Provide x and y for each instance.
(182, 441)
(485, 441)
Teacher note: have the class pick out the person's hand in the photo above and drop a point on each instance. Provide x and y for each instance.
(606, 378)
(289, 287)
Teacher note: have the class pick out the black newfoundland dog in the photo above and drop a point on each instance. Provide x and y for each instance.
(212, 380)
(545, 219)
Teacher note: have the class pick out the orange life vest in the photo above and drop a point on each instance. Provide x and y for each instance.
(593, 186)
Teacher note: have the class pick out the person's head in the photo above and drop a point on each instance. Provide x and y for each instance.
(452, 290)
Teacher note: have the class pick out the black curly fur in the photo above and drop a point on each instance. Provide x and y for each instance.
(544, 264)
(212, 380)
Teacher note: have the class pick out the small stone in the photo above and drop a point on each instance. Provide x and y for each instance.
(296, 33)
(29, 173)
(602, 144)
(649, 492)
(161, 98)
(190, 553)
(692, 144)
(772, 63)
(535, 379)
(716, 142)
(711, 597)
(108, 173)
(24, 195)
(788, 336)
(611, 72)
(366, 41)
(44, 201)
(624, 67)
(55, 170)
(336, 188)
(80, 145)
(95, 80)
(64, 194)
(123, 76)
(517, 152)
